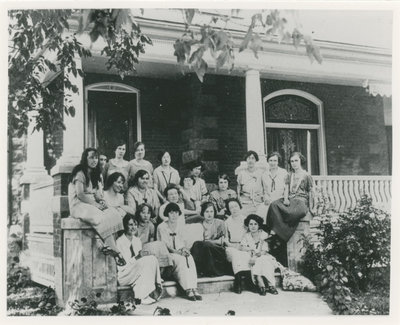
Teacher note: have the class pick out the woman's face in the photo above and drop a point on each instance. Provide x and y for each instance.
(118, 185)
(187, 183)
(196, 171)
(173, 216)
(273, 162)
(295, 162)
(120, 151)
(251, 160)
(166, 159)
(209, 213)
(132, 227)
(92, 159)
(223, 184)
(234, 207)
(253, 226)
(173, 196)
(143, 181)
(140, 152)
(145, 214)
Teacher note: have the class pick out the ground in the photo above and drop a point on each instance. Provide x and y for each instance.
(286, 303)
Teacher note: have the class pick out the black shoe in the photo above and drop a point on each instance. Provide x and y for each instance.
(237, 284)
(272, 290)
(263, 291)
(197, 295)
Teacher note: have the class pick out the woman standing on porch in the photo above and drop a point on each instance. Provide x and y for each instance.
(184, 268)
(165, 174)
(250, 189)
(285, 214)
(273, 181)
(139, 192)
(139, 163)
(86, 203)
(141, 271)
(118, 163)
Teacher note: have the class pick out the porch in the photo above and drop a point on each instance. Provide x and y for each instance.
(63, 254)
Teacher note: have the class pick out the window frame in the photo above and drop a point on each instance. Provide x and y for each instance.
(320, 127)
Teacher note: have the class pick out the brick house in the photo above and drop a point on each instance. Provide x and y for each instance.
(279, 101)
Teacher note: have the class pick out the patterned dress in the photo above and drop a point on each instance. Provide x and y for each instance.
(218, 198)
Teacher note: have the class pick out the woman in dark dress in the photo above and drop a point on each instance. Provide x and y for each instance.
(284, 214)
(209, 254)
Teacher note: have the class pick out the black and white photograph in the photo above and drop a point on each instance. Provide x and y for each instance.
(168, 159)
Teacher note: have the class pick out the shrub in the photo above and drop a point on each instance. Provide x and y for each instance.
(350, 255)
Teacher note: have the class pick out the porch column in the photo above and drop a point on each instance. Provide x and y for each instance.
(73, 142)
(254, 114)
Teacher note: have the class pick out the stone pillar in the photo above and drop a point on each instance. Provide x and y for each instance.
(200, 139)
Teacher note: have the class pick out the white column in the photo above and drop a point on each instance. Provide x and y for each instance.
(73, 137)
(34, 171)
(254, 115)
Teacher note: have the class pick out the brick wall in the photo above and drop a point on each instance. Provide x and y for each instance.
(356, 142)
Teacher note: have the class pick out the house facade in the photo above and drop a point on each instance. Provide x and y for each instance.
(279, 101)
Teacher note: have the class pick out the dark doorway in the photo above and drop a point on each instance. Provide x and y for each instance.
(112, 116)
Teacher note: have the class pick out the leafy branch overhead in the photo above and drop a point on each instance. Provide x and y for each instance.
(267, 25)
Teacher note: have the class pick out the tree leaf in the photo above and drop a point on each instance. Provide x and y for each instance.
(189, 14)
(201, 69)
(220, 40)
(85, 19)
(222, 58)
(246, 40)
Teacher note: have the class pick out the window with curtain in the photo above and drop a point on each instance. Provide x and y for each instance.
(292, 124)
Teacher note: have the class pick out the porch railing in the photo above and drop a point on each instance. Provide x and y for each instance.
(344, 191)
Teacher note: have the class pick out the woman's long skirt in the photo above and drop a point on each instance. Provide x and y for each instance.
(184, 271)
(239, 259)
(106, 222)
(283, 219)
(160, 251)
(210, 259)
(143, 275)
(265, 265)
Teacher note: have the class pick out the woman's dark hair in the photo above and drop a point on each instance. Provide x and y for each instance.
(140, 209)
(275, 153)
(112, 178)
(162, 153)
(223, 176)
(232, 199)
(187, 175)
(136, 145)
(95, 175)
(172, 207)
(139, 174)
(254, 217)
(205, 206)
(126, 219)
(300, 155)
(249, 153)
(170, 187)
(118, 143)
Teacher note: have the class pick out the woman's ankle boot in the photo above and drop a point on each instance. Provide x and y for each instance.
(237, 285)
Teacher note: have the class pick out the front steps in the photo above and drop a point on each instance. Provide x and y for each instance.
(205, 286)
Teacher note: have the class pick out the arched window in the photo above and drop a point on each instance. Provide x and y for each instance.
(112, 113)
(294, 122)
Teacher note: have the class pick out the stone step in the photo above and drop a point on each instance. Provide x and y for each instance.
(205, 285)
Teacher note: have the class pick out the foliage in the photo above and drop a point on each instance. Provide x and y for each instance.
(17, 278)
(87, 306)
(350, 256)
(47, 303)
(265, 24)
(159, 311)
(124, 308)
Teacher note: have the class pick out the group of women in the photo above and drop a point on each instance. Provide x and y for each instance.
(151, 208)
